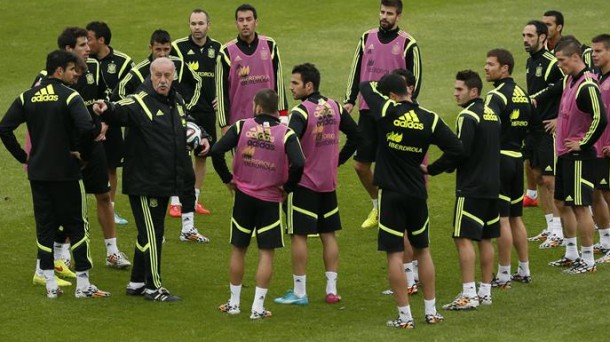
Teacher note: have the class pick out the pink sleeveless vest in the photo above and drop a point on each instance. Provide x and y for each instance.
(248, 75)
(320, 145)
(260, 165)
(379, 59)
(572, 123)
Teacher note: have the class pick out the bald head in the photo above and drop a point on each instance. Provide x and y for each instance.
(162, 72)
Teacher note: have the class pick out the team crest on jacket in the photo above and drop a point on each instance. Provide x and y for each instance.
(539, 71)
(90, 79)
(111, 68)
(211, 52)
(153, 203)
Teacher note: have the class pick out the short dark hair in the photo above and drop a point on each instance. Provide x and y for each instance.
(557, 15)
(392, 83)
(568, 46)
(602, 38)
(100, 29)
(393, 3)
(199, 10)
(471, 79)
(160, 36)
(245, 8)
(407, 75)
(504, 57)
(69, 36)
(267, 99)
(541, 28)
(309, 73)
(60, 59)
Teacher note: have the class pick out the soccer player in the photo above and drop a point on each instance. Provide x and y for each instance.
(542, 72)
(580, 122)
(188, 84)
(91, 87)
(312, 207)
(56, 117)
(247, 64)
(410, 264)
(199, 52)
(405, 131)
(554, 21)
(477, 210)
(601, 195)
(155, 160)
(114, 65)
(380, 50)
(512, 105)
(268, 163)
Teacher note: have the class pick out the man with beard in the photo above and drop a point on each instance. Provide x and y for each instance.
(542, 72)
(379, 51)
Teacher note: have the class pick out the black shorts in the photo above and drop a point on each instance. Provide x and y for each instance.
(511, 185)
(367, 150)
(574, 181)
(113, 147)
(398, 214)
(476, 218)
(252, 214)
(602, 174)
(208, 122)
(540, 150)
(311, 212)
(95, 173)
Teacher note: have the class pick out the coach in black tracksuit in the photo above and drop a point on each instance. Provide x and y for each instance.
(154, 167)
(56, 116)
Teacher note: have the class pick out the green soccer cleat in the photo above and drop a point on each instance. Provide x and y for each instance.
(63, 270)
(40, 280)
(372, 221)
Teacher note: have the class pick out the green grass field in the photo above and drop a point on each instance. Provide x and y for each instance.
(453, 35)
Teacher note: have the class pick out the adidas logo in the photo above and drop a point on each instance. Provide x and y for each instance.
(489, 114)
(519, 96)
(159, 113)
(569, 198)
(409, 120)
(260, 133)
(238, 59)
(549, 168)
(603, 182)
(191, 52)
(45, 95)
